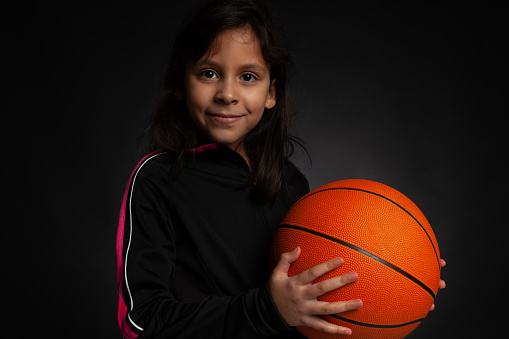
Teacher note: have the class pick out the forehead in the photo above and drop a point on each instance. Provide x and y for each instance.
(235, 44)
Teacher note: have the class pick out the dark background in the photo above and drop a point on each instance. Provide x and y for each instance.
(408, 94)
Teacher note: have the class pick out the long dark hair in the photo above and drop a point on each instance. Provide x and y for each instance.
(269, 144)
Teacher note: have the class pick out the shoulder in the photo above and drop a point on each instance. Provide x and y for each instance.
(296, 182)
(292, 173)
(154, 167)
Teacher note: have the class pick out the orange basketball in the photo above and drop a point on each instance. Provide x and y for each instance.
(384, 237)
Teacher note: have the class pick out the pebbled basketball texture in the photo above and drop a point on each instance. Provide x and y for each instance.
(384, 237)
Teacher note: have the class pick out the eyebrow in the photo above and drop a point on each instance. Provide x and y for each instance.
(216, 65)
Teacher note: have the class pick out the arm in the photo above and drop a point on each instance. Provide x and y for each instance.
(147, 305)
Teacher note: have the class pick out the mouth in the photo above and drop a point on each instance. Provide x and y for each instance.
(224, 118)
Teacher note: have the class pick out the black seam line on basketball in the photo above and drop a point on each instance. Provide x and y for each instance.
(381, 196)
(369, 254)
(375, 325)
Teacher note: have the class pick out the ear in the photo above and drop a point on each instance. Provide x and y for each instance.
(271, 96)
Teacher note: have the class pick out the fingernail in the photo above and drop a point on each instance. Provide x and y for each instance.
(347, 332)
(295, 250)
(338, 261)
(352, 276)
(357, 303)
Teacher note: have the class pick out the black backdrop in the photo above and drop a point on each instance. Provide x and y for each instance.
(408, 94)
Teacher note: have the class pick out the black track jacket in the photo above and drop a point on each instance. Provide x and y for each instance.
(193, 250)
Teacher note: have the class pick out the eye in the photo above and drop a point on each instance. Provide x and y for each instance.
(248, 77)
(209, 74)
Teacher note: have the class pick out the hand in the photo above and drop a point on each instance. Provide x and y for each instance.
(296, 297)
(441, 284)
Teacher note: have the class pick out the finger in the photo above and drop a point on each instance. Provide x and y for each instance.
(310, 275)
(442, 263)
(441, 284)
(326, 308)
(331, 284)
(287, 258)
(324, 326)
(432, 307)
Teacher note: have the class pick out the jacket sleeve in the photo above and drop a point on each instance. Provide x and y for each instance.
(147, 306)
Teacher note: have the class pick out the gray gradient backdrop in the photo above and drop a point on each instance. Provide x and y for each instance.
(407, 94)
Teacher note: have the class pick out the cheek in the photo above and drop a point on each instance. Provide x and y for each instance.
(257, 101)
(195, 98)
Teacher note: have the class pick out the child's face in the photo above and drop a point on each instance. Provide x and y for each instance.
(228, 89)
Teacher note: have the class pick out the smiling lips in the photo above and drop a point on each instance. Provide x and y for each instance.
(224, 118)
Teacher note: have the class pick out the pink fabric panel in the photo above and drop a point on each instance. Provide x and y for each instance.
(204, 148)
(122, 311)
(121, 222)
(122, 308)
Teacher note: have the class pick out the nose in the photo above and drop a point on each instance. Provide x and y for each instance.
(227, 92)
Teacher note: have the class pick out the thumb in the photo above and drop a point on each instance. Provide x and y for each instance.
(286, 260)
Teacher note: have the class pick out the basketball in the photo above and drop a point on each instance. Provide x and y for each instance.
(384, 237)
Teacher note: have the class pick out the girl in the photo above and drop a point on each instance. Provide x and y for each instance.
(200, 211)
